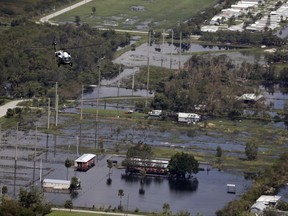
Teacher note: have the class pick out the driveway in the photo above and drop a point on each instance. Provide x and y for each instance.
(10, 105)
(57, 13)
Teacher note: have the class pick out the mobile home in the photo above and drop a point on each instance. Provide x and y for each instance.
(85, 162)
(56, 184)
(188, 117)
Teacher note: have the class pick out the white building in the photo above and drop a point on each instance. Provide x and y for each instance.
(56, 184)
(155, 113)
(188, 118)
(264, 202)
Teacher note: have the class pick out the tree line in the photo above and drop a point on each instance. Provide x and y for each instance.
(30, 9)
(268, 182)
(28, 64)
(213, 82)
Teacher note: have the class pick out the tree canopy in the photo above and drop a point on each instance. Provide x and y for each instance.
(28, 64)
(140, 151)
(182, 163)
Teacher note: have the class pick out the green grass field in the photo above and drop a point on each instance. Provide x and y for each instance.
(158, 14)
(62, 213)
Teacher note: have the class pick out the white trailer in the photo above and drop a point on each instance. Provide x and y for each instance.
(56, 184)
(188, 118)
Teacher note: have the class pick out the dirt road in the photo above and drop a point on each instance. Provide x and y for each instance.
(10, 105)
(57, 13)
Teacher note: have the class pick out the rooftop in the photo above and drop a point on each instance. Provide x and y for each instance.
(85, 158)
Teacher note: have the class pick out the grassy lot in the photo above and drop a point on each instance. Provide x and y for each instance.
(158, 14)
(270, 139)
(62, 213)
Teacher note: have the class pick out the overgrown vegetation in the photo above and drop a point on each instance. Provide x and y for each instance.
(30, 202)
(267, 183)
(28, 65)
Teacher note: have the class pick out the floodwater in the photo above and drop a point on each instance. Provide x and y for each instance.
(283, 33)
(167, 55)
(53, 150)
(276, 99)
(205, 197)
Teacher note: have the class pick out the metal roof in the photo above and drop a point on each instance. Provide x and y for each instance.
(188, 115)
(56, 181)
(85, 158)
(266, 199)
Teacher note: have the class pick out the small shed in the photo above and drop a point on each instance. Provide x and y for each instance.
(85, 162)
(231, 188)
(188, 117)
(56, 184)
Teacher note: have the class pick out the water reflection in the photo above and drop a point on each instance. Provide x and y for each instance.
(274, 97)
(164, 55)
(184, 185)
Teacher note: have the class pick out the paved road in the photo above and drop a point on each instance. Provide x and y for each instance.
(46, 19)
(57, 13)
(95, 212)
(10, 105)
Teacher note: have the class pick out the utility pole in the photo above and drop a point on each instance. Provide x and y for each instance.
(133, 83)
(56, 104)
(77, 147)
(34, 155)
(180, 51)
(162, 54)
(16, 157)
(118, 90)
(148, 68)
(81, 110)
(49, 112)
(171, 49)
(97, 108)
(40, 175)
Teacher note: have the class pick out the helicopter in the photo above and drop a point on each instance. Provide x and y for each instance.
(63, 57)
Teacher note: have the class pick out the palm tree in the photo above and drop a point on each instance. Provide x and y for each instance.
(120, 194)
(142, 176)
(68, 164)
(110, 166)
